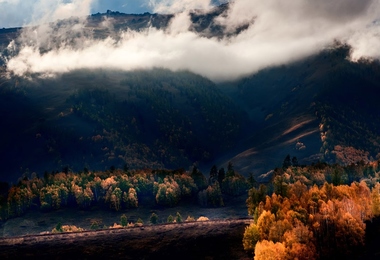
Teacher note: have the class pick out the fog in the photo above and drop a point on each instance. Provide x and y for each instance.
(279, 32)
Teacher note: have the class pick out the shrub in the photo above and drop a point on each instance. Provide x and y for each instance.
(190, 219)
(94, 225)
(202, 218)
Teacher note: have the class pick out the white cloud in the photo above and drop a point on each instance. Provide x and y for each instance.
(280, 32)
(175, 6)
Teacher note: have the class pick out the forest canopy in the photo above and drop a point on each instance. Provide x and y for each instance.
(313, 212)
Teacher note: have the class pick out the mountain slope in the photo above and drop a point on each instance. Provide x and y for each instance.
(99, 119)
(321, 108)
(315, 109)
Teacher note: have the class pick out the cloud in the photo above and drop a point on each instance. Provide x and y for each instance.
(15, 13)
(366, 42)
(279, 32)
(175, 6)
(20, 13)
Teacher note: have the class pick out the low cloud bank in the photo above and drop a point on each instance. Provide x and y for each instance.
(279, 32)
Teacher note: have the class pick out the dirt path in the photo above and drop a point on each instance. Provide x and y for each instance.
(216, 239)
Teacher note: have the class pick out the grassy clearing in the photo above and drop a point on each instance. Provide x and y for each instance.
(35, 222)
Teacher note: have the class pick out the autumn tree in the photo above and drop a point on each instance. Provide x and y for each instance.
(264, 224)
(251, 237)
(375, 196)
(168, 192)
(267, 250)
(130, 199)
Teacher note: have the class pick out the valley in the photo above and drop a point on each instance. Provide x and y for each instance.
(134, 128)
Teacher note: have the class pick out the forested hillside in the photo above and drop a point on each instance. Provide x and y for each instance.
(321, 108)
(98, 119)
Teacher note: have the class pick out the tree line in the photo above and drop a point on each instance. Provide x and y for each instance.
(118, 189)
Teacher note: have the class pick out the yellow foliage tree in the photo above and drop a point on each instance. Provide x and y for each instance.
(251, 237)
(267, 250)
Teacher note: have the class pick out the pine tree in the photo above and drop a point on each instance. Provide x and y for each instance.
(170, 219)
(178, 218)
(221, 175)
(287, 162)
(213, 175)
(230, 170)
(154, 218)
(124, 220)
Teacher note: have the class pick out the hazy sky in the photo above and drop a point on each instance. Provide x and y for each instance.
(280, 31)
(16, 13)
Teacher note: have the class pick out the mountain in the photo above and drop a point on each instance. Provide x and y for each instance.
(322, 108)
(111, 23)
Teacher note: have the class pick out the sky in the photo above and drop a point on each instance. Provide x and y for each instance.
(279, 32)
(17, 13)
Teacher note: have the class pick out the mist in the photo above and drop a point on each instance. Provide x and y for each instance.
(278, 32)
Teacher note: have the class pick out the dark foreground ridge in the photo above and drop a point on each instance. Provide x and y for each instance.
(214, 239)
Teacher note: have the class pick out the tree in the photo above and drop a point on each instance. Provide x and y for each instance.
(115, 199)
(126, 168)
(295, 161)
(139, 222)
(170, 219)
(267, 250)
(255, 196)
(375, 196)
(123, 220)
(221, 175)
(58, 227)
(168, 193)
(154, 218)
(214, 195)
(287, 162)
(130, 199)
(234, 184)
(213, 175)
(280, 186)
(230, 170)
(94, 225)
(251, 180)
(199, 179)
(251, 237)
(178, 218)
(264, 224)
(278, 230)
